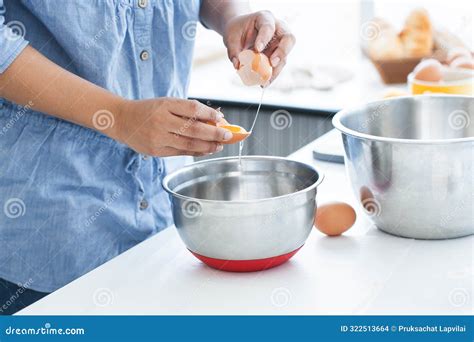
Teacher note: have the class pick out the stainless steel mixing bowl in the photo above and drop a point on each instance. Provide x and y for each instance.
(411, 163)
(256, 211)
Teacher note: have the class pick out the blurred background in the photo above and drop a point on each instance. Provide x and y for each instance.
(328, 69)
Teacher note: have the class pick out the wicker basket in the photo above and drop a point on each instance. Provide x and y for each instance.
(395, 70)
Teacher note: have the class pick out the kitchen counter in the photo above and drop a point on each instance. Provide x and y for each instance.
(363, 272)
(364, 85)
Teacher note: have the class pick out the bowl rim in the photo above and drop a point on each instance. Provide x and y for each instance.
(168, 177)
(336, 121)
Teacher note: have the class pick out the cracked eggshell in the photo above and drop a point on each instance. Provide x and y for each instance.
(254, 68)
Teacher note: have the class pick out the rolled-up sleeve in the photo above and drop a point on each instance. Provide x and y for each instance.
(12, 40)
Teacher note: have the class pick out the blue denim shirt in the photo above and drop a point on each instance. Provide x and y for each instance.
(71, 198)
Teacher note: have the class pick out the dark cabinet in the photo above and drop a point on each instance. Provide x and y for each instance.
(278, 131)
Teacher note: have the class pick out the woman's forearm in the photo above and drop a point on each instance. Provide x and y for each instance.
(215, 14)
(35, 80)
(158, 127)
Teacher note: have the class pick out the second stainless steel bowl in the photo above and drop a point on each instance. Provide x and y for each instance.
(260, 209)
(411, 163)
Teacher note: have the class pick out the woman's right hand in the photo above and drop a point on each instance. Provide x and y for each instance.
(168, 127)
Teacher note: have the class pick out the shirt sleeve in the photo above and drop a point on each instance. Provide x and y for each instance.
(12, 40)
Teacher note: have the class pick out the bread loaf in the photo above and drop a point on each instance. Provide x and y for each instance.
(417, 34)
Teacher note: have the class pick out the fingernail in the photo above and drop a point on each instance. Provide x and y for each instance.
(227, 135)
(219, 115)
(275, 61)
(219, 148)
(235, 61)
(259, 46)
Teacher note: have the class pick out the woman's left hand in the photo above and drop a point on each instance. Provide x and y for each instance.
(262, 32)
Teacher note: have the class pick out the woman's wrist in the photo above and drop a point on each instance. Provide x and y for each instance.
(216, 15)
(114, 117)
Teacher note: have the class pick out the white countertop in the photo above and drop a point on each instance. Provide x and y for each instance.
(363, 272)
(365, 85)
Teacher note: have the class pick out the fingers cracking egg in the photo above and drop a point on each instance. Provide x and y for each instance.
(254, 68)
(238, 133)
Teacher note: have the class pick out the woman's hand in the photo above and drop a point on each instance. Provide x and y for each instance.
(262, 32)
(168, 127)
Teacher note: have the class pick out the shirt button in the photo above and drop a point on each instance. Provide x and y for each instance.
(143, 204)
(145, 157)
(144, 55)
(142, 3)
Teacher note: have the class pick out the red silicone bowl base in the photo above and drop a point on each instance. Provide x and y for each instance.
(246, 265)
